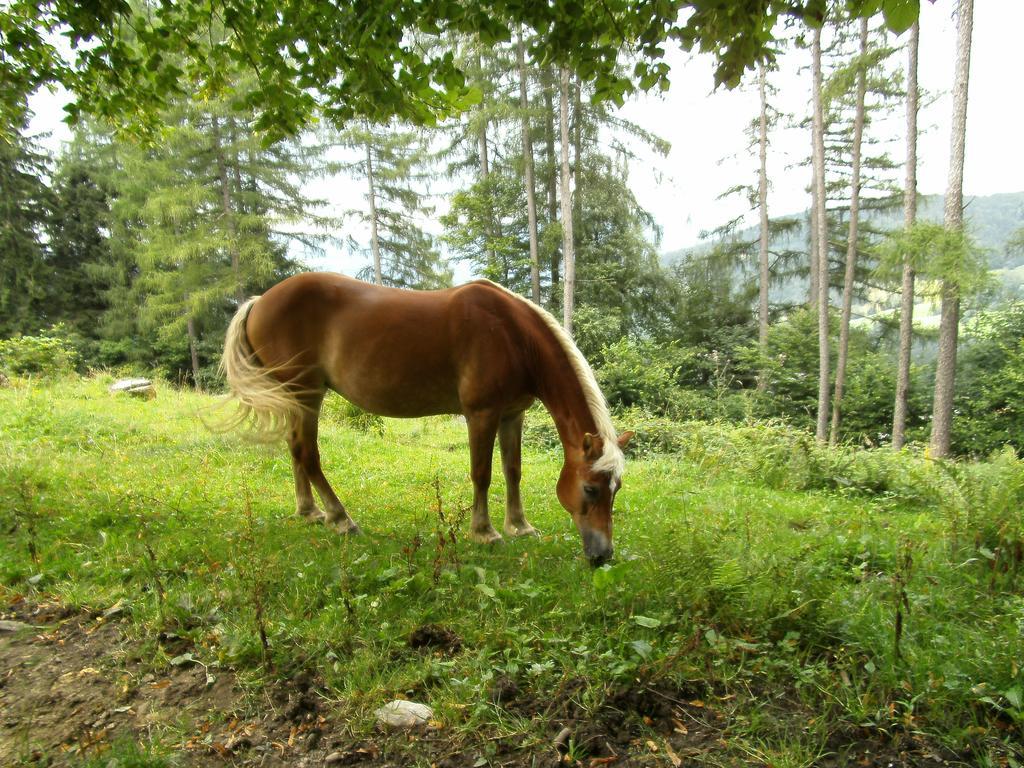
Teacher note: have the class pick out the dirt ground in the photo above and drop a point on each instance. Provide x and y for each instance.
(69, 689)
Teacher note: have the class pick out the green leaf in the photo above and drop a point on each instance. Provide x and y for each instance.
(646, 621)
(900, 15)
(608, 575)
(643, 648)
(485, 589)
(1015, 696)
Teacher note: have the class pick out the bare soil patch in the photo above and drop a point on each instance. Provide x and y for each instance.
(70, 687)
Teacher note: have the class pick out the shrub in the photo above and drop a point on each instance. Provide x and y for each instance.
(341, 411)
(639, 373)
(990, 383)
(49, 354)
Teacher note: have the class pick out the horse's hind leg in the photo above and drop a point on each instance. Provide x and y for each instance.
(510, 438)
(305, 504)
(306, 460)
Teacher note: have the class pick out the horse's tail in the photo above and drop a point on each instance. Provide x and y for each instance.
(266, 406)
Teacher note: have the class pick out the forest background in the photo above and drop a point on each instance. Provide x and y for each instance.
(133, 255)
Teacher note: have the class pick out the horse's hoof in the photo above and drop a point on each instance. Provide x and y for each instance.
(313, 515)
(523, 530)
(486, 537)
(345, 527)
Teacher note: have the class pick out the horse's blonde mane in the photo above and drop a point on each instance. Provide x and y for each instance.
(611, 459)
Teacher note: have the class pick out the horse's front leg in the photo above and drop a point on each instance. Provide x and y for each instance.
(510, 438)
(483, 428)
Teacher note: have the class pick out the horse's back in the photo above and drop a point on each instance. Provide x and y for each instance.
(392, 351)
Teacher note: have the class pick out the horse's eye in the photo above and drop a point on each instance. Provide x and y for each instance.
(590, 491)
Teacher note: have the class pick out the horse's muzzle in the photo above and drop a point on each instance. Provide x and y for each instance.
(597, 548)
(596, 561)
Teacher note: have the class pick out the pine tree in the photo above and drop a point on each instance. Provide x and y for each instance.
(395, 164)
(821, 233)
(79, 244)
(945, 373)
(528, 174)
(206, 217)
(764, 234)
(24, 212)
(899, 418)
(565, 194)
(851, 240)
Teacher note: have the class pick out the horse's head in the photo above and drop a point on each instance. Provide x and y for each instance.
(591, 476)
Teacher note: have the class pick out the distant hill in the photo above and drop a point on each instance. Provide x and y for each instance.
(992, 220)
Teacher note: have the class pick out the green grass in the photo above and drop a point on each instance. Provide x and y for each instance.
(779, 605)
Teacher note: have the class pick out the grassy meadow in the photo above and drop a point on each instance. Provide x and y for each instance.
(801, 599)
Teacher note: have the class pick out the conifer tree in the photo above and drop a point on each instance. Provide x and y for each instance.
(821, 233)
(79, 245)
(528, 173)
(945, 373)
(899, 418)
(207, 216)
(852, 241)
(395, 164)
(764, 233)
(565, 194)
(24, 212)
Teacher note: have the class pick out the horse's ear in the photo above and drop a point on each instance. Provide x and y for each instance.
(624, 439)
(592, 446)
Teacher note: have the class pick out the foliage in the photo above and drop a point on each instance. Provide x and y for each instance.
(48, 354)
(23, 215)
(989, 399)
(338, 410)
(638, 373)
(133, 61)
(394, 164)
(499, 252)
(937, 254)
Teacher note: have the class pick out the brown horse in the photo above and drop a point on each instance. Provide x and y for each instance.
(478, 350)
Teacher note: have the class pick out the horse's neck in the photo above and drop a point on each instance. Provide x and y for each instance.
(560, 390)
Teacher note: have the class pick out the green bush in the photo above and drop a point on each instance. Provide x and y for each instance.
(49, 354)
(639, 373)
(338, 410)
(990, 383)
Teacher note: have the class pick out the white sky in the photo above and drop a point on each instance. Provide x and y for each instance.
(706, 130)
(705, 127)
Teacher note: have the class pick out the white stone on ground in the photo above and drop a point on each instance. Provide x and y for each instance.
(404, 714)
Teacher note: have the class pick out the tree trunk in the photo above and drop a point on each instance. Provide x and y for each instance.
(851, 239)
(191, 328)
(567, 241)
(378, 276)
(228, 213)
(552, 179)
(762, 205)
(899, 415)
(812, 281)
(821, 431)
(485, 166)
(945, 373)
(531, 201)
(577, 154)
